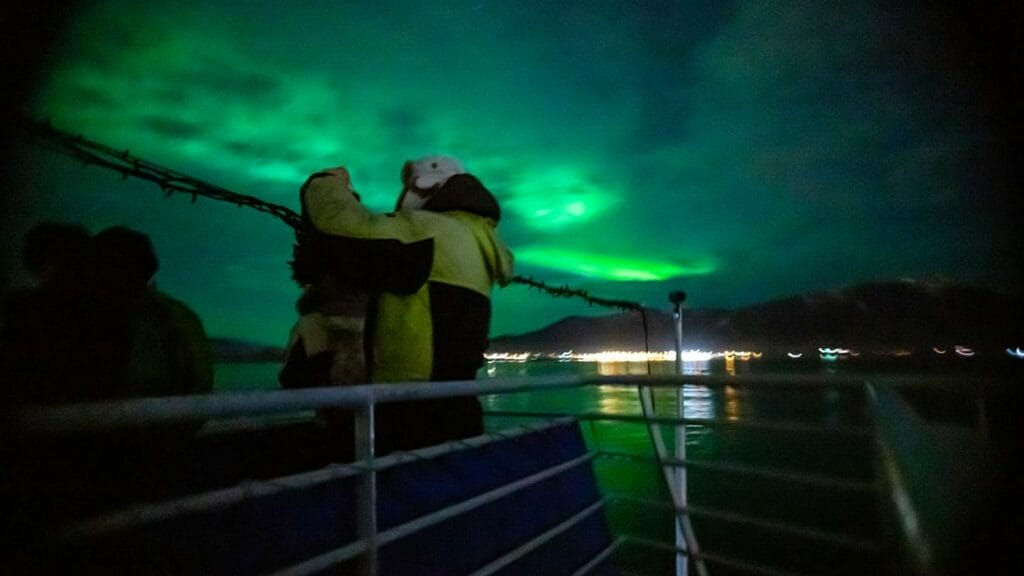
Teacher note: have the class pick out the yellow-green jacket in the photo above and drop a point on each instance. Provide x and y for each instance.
(439, 332)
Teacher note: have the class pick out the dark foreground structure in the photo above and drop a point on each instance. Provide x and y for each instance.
(903, 475)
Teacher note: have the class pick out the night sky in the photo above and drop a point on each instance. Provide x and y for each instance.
(741, 151)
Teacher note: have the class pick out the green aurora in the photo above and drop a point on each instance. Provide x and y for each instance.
(741, 151)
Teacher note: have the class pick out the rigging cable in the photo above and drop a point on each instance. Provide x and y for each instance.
(170, 182)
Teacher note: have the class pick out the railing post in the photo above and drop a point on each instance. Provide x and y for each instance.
(366, 504)
(682, 561)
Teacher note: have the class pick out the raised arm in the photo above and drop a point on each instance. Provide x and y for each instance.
(334, 209)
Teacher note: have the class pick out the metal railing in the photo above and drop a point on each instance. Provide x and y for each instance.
(78, 419)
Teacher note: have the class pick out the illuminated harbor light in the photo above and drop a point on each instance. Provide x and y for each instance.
(695, 355)
(839, 351)
(834, 354)
(1016, 353)
(508, 356)
(794, 355)
(743, 355)
(963, 351)
(939, 350)
(624, 356)
(897, 353)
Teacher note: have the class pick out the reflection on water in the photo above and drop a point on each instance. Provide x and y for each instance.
(621, 368)
(732, 403)
(697, 367)
(632, 368)
(616, 400)
(698, 402)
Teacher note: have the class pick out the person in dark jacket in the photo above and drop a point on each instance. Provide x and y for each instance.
(438, 331)
(169, 353)
(50, 348)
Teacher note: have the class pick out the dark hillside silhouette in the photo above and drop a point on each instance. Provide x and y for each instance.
(906, 315)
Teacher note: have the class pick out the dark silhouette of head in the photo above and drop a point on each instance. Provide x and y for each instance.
(464, 192)
(56, 252)
(125, 259)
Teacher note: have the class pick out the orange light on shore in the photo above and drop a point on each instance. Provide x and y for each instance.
(626, 356)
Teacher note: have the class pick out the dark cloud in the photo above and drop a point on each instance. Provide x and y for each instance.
(172, 127)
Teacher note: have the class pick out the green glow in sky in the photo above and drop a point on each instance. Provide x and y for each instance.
(741, 151)
(558, 198)
(606, 267)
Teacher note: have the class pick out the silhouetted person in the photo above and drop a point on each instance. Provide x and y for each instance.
(94, 328)
(105, 335)
(52, 348)
(169, 352)
(56, 255)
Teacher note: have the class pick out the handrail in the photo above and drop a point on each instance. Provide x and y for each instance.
(758, 472)
(334, 557)
(539, 541)
(224, 497)
(36, 421)
(63, 419)
(70, 418)
(775, 526)
(712, 558)
(764, 425)
(938, 482)
(600, 557)
(684, 529)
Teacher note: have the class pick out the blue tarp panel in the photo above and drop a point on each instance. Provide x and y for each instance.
(273, 532)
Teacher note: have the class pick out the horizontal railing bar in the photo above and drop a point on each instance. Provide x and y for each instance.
(224, 497)
(768, 426)
(418, 524)
(213, 500)
(36, 420)
(766, 473)
(599, 558)
(824, 536)
(245, 424)
(745, 566)
(115, 414)
(334, 557)
(712, 558)
(538, 541)
(777, 474)
(808, 533)
(322, 562)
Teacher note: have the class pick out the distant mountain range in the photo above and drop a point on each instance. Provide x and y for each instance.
(231, 350)
(902, 315)
(905, 315)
